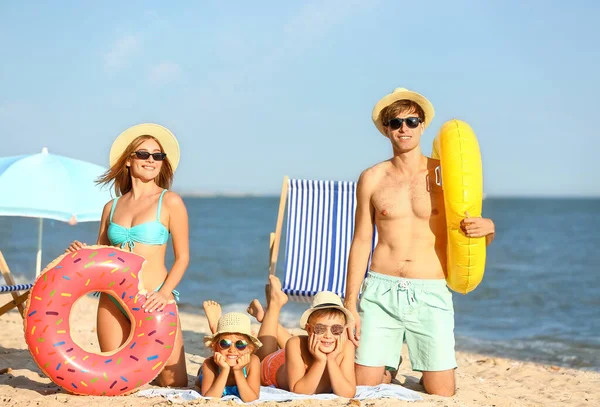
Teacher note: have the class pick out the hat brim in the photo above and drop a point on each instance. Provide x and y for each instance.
(403, 94)
(163, 135)
(306, 315)
(208, 339)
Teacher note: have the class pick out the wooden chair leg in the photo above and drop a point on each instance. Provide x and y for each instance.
(17, 302)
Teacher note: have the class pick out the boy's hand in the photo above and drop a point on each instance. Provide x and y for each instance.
(340, 342)
(313, 347)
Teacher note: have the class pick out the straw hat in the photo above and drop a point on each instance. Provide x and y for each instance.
(164, 136)
(325, 300)
(233, 323)
(402, 94)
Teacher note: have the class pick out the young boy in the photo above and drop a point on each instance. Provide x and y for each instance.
(322, 362)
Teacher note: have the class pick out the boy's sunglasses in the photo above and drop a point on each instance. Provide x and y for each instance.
(144, 155)
(411, 123)
(226, 344)
(336, 329)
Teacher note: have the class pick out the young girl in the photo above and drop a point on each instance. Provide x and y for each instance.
(142, 162)
(234, 369)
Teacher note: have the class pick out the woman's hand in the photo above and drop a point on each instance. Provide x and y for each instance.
(155, 300)
(74, 246)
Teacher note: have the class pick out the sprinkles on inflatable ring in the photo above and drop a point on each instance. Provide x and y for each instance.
(47, 324)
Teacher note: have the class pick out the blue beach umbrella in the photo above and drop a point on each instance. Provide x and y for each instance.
(51, 186)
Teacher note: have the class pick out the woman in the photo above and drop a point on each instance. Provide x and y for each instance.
(142, 162)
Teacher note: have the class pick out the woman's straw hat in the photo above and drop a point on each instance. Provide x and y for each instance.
(166, 139)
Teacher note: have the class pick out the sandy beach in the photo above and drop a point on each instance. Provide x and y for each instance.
(481, 380)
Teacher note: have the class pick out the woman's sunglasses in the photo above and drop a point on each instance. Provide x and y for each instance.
(144, 155)
(226, 344)
(411, 123)
(320, 329)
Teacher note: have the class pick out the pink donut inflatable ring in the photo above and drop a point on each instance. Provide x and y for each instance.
(48, 327)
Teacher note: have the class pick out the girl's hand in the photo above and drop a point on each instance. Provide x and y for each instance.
(155, 300)
(74, 246)
(221, 361)
(242, 362)
(313, 347)
(339, 346)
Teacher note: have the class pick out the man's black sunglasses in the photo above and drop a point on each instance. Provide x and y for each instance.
(411, 123)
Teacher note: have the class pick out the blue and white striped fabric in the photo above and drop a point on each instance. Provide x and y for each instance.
(18, 287)
(320, 225)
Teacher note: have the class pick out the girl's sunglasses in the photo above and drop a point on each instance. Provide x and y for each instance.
(144, 155)
(336, 329)
(411, 123)
(226, 344)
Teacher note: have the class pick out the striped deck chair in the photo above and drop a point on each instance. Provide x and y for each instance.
(18, 298)
(320, 226)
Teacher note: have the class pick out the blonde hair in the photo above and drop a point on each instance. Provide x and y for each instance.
(326, 312)
(119, 172)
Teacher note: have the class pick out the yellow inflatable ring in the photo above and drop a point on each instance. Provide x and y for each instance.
(462, 182)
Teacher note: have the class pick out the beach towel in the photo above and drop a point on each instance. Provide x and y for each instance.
(274, 394)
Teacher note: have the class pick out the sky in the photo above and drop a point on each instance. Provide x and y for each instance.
(258, 90)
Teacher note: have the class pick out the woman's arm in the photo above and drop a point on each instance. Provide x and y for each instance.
(179, 228)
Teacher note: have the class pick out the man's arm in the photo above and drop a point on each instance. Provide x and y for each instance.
(359, 250)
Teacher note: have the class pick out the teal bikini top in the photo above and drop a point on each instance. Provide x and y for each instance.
(154, 233)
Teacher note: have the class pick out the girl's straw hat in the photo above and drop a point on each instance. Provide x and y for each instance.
(233, 323)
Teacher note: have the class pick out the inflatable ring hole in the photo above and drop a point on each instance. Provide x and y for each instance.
(83, 323)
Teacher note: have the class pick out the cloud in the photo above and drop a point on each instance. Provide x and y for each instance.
(164, 73)
(122, 52)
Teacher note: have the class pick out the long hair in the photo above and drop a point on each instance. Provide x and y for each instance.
(119, 172)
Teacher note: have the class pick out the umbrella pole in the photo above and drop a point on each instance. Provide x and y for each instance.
(38, 261)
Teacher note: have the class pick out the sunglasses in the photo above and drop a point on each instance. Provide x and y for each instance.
(226, 344)
(411, 123)
(320, 329)
(144, 155)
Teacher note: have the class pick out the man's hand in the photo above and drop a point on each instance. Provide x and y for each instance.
(477, 227)
(353, 328)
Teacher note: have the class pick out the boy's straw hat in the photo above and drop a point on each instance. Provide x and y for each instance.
(325, 300)
(233, 323)
(402, 94)
(166, 139)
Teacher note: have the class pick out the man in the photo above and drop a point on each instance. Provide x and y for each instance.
(404, 295)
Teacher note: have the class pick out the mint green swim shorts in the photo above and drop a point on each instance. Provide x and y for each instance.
(419, 312)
